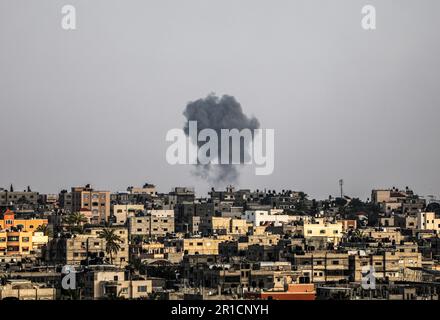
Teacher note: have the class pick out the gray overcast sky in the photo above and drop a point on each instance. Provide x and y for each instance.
(94, 105)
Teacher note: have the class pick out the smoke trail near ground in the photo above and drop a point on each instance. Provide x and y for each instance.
(219, 113)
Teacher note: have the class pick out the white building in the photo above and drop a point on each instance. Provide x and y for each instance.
(260, 217)
(427, 221)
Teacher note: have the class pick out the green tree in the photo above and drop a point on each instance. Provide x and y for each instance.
(75, 221)
(112, 241)
(45, 229)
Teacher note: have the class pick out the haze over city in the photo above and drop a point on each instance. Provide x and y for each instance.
(94, 105)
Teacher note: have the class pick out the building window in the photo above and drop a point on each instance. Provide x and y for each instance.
(142, 289)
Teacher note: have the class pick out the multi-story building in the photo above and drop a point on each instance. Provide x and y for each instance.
(237, 277)
(428, 221)
(11, 197)
(324, 266)
(122, 212)
(110, 282)
(260, 217)
(201, 246)
(23, 289)
(397, 264)
(189, 215)
(405, 221)
(146, 189)
(15, 242)
(10, 222)
(224, 225)
(390, 234)
(319, 228)
(87, 246)
(65, 201)
(156, 223)
(98, 202)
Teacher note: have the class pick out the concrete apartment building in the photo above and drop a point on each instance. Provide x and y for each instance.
(389, 234)
(122, 212)
(427, 221)
(189, 215)
(19, 236)
(392, 265)
(156, 223)
(201, 246)
(224, 225)
(65, 201)
(260, 217)
(9, 222)
(323, 266)
(238, 277)
(319, 228)
(153, 251)
(405, 221)
(79, 247)
(98, 202)
(146, 189)
(23, 289)
(15, 243)
(105, 282)
(11, 197)
(395, 200)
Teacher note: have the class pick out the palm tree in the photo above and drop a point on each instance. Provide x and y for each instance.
(358, 236)
(75, 220)
(112, 241)
(45, 229)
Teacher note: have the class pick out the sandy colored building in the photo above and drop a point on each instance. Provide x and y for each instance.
(23, 289)
(225, 225)
(122, 212)
(324, 266)
(156, 223)
(427, 221)
(394, 265)
(201, 246)
(104, 282)
(322, 229)
(149, 189)
(384, 234)
(71, 251)
(98, 202)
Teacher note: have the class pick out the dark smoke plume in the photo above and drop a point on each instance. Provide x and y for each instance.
(219, 113)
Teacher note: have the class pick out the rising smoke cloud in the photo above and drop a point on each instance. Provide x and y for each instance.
(218, 113)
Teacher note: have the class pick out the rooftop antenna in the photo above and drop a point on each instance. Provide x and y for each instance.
(341, 184)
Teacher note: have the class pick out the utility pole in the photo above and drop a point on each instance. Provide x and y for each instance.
(341, 184)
